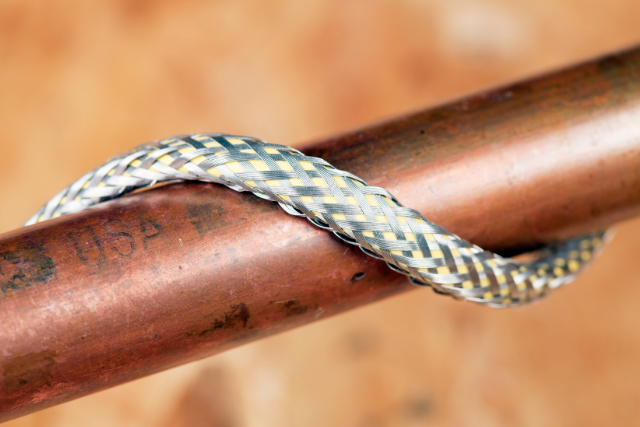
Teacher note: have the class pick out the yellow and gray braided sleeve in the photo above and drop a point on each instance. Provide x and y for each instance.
(357, 213)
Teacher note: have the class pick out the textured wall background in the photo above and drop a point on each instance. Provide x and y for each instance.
(80, 81)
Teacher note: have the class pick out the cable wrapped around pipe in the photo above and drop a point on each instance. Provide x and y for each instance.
(338, 201)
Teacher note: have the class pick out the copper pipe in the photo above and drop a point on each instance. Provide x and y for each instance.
(174, 274)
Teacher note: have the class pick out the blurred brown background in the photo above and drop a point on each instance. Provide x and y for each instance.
(83, 80)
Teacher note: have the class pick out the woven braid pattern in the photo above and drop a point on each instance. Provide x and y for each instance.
(335, 200)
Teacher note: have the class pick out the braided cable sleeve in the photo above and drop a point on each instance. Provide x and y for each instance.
(335, 200)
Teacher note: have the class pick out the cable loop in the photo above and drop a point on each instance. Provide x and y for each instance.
(337, 201)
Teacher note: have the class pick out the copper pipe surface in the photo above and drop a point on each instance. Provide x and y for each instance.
(174, 274)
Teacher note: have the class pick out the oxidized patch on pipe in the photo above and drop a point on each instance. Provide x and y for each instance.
(25, 266)
(30, 372)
